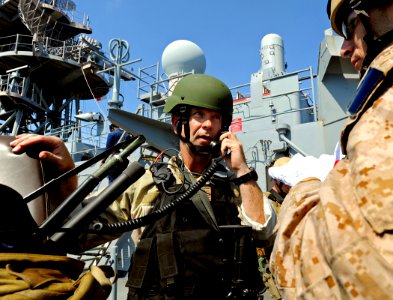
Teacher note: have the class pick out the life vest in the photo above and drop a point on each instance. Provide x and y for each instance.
(188, 254)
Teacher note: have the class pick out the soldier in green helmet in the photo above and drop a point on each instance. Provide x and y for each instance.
(187, 253)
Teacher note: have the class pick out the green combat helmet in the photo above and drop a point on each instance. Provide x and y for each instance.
(200, 90)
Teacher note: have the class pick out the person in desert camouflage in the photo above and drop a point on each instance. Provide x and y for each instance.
(334, 238)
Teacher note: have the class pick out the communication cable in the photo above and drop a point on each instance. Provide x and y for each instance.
(154, 216)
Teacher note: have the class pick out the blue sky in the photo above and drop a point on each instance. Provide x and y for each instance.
(228, 31)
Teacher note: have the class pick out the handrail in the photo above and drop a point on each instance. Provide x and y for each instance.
(76, 51)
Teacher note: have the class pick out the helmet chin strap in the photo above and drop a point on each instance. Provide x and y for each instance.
(199, 150)
(182, 123)
(375, 46)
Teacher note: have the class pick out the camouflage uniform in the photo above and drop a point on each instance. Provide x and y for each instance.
(190, 236)
(334, 238)
(139, 199)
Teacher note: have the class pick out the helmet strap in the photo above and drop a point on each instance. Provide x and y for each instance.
(375, 46)
(182, 123)
(198, 150)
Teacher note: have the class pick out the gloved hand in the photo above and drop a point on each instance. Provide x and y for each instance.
(301, 167)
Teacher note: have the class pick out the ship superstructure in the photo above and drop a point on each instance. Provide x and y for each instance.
(278, 113)
(49, 63)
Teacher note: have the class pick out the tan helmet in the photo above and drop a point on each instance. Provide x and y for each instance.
(281, 161)
(337, 10)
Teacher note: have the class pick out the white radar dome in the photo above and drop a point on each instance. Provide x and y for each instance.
(272, 53)
(183, 56)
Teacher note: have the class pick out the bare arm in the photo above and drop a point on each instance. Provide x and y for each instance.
(251, 194)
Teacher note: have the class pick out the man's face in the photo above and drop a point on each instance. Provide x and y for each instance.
(285, 188)
(282, 187)
(354, 46)
(205, 126)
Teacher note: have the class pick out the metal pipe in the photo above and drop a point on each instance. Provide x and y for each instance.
(8, 121)
(18, 119)
(291, 144)
(313, 99)
(114, 257)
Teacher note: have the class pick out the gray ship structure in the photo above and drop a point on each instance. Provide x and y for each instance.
(49, 64)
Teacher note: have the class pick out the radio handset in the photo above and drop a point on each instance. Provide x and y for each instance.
(216, 148)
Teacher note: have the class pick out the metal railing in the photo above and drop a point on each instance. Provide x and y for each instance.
(12, 83)
(70, 49)
(77, 133)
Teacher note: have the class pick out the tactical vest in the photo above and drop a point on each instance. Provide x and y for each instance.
(186, 255)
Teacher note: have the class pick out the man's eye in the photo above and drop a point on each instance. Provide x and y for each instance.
(198, 114)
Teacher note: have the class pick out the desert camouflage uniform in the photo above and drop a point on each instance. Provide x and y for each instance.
(335, 238)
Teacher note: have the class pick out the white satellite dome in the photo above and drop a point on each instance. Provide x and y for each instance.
(272, 53)
(183, 56)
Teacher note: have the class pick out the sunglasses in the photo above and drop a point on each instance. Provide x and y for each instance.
(348, 27)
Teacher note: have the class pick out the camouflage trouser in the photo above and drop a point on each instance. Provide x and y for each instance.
(35, 276)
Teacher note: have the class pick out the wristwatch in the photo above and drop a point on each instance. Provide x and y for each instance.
(252, 175)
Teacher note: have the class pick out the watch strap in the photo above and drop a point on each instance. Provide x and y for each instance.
(252, 175)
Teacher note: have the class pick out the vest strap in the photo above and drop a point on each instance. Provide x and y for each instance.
(138, 270)
(166, 255)
(202, 203)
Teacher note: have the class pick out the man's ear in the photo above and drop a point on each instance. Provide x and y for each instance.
(174, 120)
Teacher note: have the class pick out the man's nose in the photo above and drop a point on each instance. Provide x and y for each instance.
(207, 123)
(347, 49)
